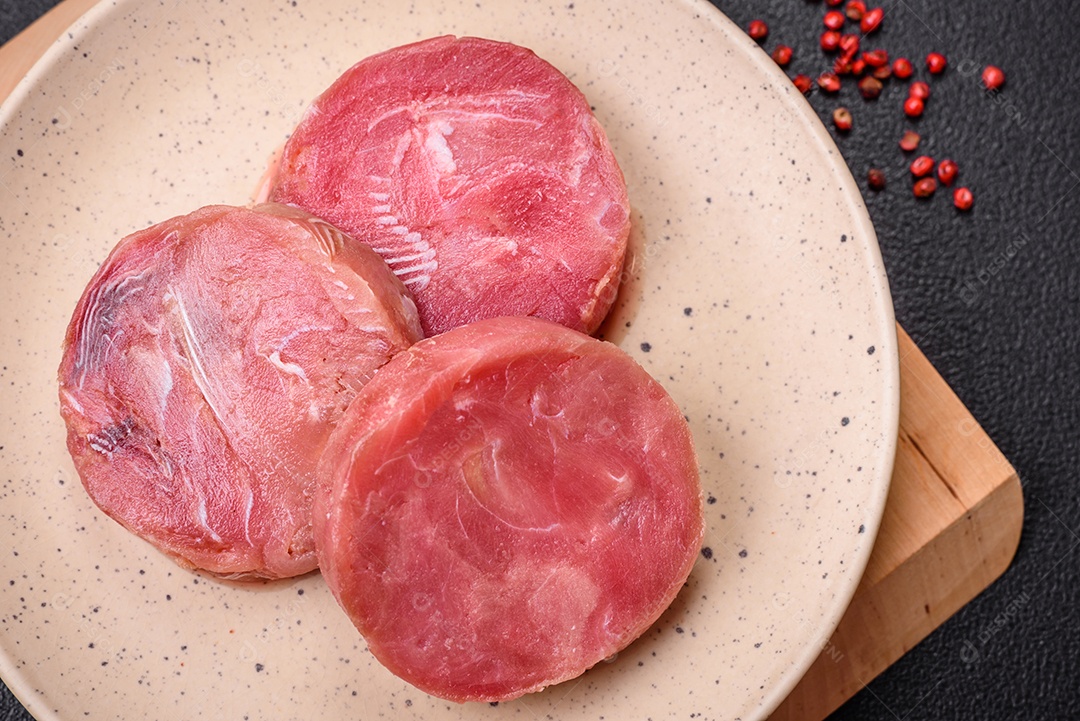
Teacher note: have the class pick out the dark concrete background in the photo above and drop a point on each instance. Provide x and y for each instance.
(993, 299)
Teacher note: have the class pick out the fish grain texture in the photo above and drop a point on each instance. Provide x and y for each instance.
(504, 506)
(478, 171)
(204, 368)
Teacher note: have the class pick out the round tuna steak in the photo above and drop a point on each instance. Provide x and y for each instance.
(204, 368)
(505, 505)
(478, 171)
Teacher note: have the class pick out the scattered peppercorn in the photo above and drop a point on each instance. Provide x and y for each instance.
(909, 141)
(946, 171)
(935, 63)
(782, 55)
(841, 118)
(872, 68)
(963, 199)
(922, 166)
(849, 45)
(834, 20)
(871, 21)
(925, 188)
(870, 87)
(993, 78)
(876, 58)
(829, 82)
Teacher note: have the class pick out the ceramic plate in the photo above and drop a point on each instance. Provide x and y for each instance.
(754, 292)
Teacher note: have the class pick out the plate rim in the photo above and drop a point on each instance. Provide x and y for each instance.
(808, 118)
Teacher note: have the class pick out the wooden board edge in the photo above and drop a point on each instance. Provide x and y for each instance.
(945, 464)
(887, 619)
(20, 53)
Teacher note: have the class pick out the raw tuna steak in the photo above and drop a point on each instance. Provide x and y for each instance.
(505, 505)
(478, 171)
(204, 368)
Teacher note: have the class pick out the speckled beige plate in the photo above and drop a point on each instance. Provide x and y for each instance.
(755, 292)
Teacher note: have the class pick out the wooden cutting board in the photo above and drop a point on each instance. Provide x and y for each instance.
(952, 520)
